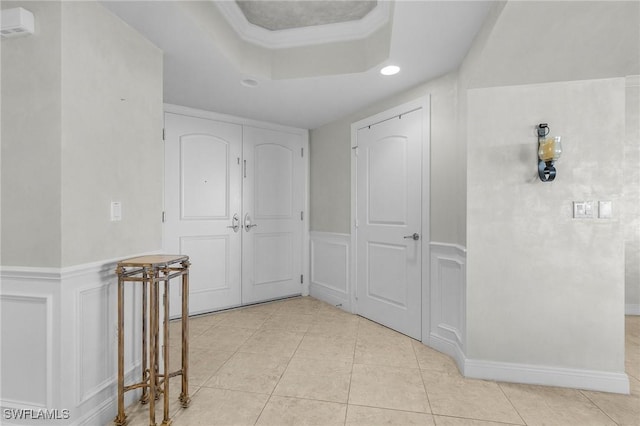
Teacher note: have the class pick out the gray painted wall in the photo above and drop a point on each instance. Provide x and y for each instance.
(82, 122)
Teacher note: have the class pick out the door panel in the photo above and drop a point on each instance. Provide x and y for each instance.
(272, 204)
(204, 169)
(387, 160)
(203, 176)
(273, 258)
(387, 264)
(211, 253)
(389, 187)
(273, 181)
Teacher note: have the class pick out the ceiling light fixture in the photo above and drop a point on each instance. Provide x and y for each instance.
(390, 70)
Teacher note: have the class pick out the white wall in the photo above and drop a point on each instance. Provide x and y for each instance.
(631, 196)
(542, 41)
(31, 141)
(112, 149)
(544, 288)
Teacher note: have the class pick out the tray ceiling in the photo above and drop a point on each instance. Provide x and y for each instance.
(283, 15)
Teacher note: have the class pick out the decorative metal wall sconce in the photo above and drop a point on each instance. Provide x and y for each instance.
(549, 150)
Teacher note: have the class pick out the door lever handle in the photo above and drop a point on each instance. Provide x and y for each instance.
(247, 223)
(415, 236)
(235, 223)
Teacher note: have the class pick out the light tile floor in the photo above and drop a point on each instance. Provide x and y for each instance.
(303, 362)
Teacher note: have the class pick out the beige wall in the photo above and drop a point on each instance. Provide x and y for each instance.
(82, 122)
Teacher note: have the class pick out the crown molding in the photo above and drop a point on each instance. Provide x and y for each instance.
(305, 36)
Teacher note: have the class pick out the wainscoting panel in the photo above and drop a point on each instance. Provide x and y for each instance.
(59, 340)
(94, 339)
(330, 268)
(448, 300)
(27, 358)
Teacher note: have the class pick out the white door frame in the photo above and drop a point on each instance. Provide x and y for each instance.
(198, 113)
(424, 104)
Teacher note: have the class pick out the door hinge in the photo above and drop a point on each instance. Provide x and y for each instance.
(301, 279)
(164, 217)
(301, 152)
(356, 223)
(163, 134)
(355, 150)
(301, 215)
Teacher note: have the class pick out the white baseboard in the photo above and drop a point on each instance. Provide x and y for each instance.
(450, 348)
(632, 309)
(602, 381)
(322, 293)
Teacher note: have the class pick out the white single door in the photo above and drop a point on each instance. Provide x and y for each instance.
(272, 207)
(203, 173)
(389, 187)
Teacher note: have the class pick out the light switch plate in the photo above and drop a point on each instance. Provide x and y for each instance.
(116, 211)
(582, 209)
(605, 209)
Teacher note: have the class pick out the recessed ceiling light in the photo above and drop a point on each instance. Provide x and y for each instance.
(390, 70)
(249, 82)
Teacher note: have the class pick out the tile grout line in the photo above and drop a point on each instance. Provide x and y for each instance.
(424, 385)
(235, 352)
(597, 406)
(353, 363)
(477, 420)
(268, 399)
(512, 404)
(280, 378)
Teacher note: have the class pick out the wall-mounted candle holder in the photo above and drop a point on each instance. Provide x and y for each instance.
(549, 151)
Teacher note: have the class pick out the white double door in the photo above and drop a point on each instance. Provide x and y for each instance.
(389, 220)
(233, 203)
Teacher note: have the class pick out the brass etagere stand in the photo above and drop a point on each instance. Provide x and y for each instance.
(151, 271)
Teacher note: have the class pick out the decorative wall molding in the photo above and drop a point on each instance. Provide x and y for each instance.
(448, 306)
(602, 381)
(329, 267)
(81, 340)
(35, 331)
